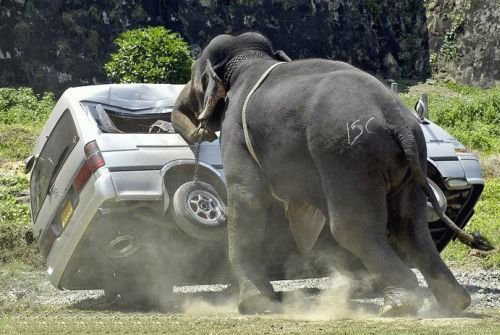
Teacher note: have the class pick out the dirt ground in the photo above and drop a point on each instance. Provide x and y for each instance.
(151, 323)
(30, 305)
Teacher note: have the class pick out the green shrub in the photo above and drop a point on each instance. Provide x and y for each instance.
(470, 114)
(150, 55)
(22, 106)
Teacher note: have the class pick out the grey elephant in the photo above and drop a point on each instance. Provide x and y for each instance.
(333, 146)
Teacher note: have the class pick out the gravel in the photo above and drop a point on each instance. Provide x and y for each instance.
(32, 291)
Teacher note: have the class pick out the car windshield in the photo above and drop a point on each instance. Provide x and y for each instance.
(59, 145)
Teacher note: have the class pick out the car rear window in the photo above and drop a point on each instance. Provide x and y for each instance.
(140, 121)
(59, 145)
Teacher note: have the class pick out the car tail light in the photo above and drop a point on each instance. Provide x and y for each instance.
(94, 161)
(94, 156)
(82, 177)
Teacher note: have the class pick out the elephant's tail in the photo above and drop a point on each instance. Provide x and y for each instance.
(407, 140)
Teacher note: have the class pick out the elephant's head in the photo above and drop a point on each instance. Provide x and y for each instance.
(203, 96)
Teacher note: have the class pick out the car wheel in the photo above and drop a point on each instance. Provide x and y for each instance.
(199, 211)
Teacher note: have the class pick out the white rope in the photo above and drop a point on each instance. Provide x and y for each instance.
(244, 112)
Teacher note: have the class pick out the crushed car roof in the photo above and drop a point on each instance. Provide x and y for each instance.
(133, 97)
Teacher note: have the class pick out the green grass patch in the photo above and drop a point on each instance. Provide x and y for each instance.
(486, 220)
(12, 271)
(16, 234)
(23, 106)
(22, 115)
(472, 115)
(17, 141)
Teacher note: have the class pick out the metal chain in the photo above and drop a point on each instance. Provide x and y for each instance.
(202, 125)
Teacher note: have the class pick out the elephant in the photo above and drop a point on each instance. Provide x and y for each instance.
(332, 145)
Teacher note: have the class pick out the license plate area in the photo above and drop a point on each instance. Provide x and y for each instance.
(66, 213)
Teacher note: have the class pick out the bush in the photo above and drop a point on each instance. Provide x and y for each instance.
(150, 55)
(22, 106)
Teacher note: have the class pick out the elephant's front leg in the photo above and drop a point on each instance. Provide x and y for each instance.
(247, 208)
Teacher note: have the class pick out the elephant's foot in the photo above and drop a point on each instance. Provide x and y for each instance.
(400, 302)
(454, 300)
(259, 304)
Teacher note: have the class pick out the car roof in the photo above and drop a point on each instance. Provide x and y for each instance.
(133, 97)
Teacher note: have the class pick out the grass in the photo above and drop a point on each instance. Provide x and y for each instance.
(22, 115)
(135, 323)
(486, 220)
(12, 270)
(16, 235)
(17, 141)
(470, 114)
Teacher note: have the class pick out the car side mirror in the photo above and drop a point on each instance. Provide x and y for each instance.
(421, 107)
(30, 162)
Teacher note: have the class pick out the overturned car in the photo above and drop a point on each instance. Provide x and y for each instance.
(113, 206)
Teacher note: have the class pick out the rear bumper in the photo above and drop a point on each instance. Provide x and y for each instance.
(64, 246)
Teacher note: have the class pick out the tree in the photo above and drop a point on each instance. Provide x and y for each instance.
(150, 55)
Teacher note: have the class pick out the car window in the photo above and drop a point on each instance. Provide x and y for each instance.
(59, 145)
(115, 119)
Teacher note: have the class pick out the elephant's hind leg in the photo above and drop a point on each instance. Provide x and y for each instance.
(414, 238)
(358, 218)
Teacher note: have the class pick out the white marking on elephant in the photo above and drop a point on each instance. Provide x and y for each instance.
(360, 128)
(348, 135)
(367, 123)
(355, 126)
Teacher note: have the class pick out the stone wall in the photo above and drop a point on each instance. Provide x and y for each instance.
(464, 40)
(54, 44)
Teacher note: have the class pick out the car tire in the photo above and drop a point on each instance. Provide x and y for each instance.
(199, 211)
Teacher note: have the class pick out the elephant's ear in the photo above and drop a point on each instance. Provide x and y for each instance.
(282, 56)
(215, 90)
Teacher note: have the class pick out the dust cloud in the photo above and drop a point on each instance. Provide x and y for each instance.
(310, 304)
(332, 303)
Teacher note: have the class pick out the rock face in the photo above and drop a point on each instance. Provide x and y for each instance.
(54, 44)
(464, 40)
